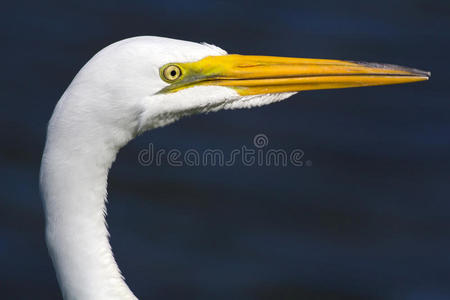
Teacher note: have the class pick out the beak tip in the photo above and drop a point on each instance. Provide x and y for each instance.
(411, 71)
(425, 74)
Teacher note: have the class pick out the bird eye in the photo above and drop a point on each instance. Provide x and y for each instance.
(171, 73)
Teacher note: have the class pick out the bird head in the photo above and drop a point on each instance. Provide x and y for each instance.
(155, 80)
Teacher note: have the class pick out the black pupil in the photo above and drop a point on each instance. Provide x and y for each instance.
(173, 73)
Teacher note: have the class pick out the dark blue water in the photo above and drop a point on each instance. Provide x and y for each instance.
(370, 219)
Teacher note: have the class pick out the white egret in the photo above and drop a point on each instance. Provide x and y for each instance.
(143, 83)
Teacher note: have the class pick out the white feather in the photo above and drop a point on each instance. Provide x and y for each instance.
(111, 100)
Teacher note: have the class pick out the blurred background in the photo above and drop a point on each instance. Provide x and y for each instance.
(369, 219)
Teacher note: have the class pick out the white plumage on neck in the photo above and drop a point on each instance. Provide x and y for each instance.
(74, 174)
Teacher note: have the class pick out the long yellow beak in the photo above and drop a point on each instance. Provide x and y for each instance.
(253, 75)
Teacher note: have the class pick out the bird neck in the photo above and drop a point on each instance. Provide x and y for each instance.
(73, 180)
